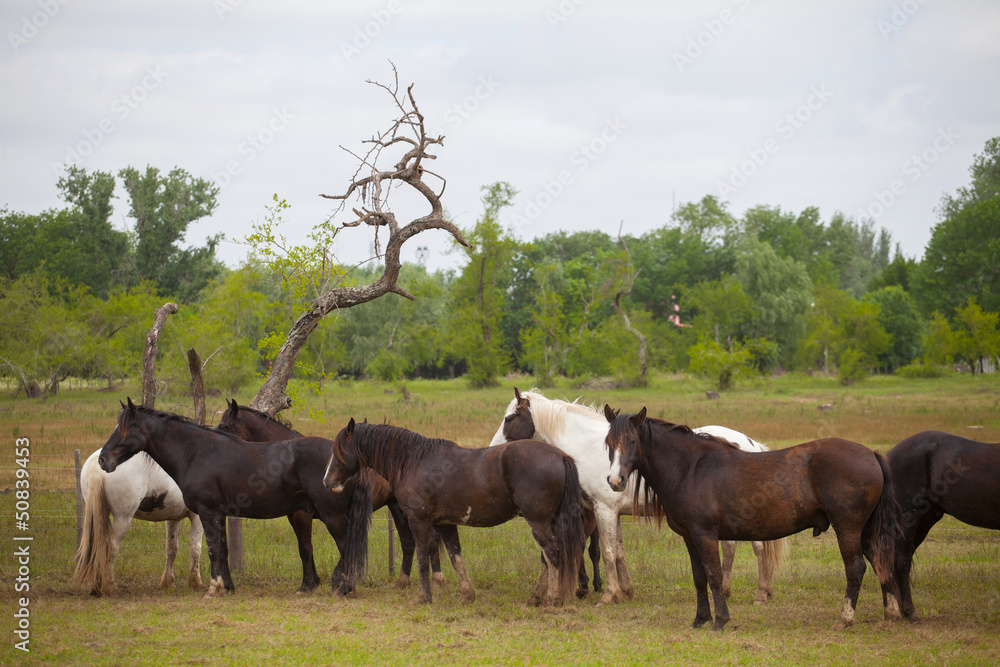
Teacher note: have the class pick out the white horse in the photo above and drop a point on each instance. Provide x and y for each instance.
(138, 488)
(580, 430)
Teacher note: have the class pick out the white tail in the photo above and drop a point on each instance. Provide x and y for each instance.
(95, 557)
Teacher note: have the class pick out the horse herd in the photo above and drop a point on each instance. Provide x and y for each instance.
(570, 470)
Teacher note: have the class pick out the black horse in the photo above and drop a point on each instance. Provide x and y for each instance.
(221, 475)
(934, 474)
(440, 485)
(709, 490)
(256, 426)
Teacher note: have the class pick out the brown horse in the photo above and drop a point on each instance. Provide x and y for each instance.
(709, 490)
(440, 485)
(256, 426)
(220, 475)
(934, 474)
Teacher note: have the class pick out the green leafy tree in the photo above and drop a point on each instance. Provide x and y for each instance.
(724, 311)
(899, 317)
(41, 337)
(780, 289)
(478, 293)
(838, 324)
(985, 184)
(163, 208)
(977, 337)
(962, 260)
(938, 341)
(720, 365)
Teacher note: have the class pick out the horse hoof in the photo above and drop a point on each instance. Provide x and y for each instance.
(403, 581)
(582, 593)
(419, 600)
(437, 579)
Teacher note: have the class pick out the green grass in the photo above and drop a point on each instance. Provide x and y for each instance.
(956, 579)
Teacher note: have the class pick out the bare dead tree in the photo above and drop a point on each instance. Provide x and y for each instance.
(149, 354)
(371, 185)
(631, 273)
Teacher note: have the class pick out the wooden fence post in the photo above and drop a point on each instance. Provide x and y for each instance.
(79, 499)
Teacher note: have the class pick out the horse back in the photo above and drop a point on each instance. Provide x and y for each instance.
(959, 475)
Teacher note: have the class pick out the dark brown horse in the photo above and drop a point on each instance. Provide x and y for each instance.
(256, 426)
(220, 475)
(440, 485)
(709, 490)
(934, 474)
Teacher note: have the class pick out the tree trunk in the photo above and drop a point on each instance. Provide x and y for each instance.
(197, 385)
(149, 354)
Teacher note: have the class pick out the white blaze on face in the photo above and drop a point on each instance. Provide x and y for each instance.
(336, 488)
(615, 476)
(498, 437)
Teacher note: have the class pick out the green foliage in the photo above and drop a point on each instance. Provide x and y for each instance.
(962, 261)
(855, 366)
(723, 309)
(899, 317)
(838, 325)
(163, 207)
(938, 341)
(478, 293)
(977, 337)
(720, 366)
(921, 370)
(387, 366)
(780, 290)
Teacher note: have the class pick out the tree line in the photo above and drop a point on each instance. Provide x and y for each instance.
(717, 295)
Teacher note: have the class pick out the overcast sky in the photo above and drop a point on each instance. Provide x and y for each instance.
(598, 112)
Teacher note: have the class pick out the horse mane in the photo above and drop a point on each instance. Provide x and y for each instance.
(644, 494)
(549, 414)
(386, 448)
(269, 417)
(168, 417)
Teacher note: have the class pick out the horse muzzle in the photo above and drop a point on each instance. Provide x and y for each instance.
(106, 465)
(617, 484)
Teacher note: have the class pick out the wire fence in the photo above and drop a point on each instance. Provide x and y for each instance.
(57, 517)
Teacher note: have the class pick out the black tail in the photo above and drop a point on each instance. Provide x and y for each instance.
(567, 527)
(881, 532)
(359, 520)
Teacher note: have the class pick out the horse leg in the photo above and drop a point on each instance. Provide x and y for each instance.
(728, 556)
(704, 613)
(422, 535)
(595, 558)
(173, 528)
(449, 535)
(624, 580)
(302, 525)
(194, 574)
(118, 531)
(915, 529)
(708, 547)
(218, 552)
(607, 531)
(854, 568)
(764, 569)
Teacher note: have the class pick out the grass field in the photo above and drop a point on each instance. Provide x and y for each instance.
(956, 579)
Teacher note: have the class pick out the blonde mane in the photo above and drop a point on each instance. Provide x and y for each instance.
(549, 414)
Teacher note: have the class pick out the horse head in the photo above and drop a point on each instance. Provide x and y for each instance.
(518, 422)
(343, 459)
(623, 445)
(129, 438)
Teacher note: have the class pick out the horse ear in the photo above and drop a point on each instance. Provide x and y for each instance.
(517, 394)
(234, 407)
(609, 414)
(365, 421)
(131, 405)
(350, 427)
(121, 404)
(641, 417)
